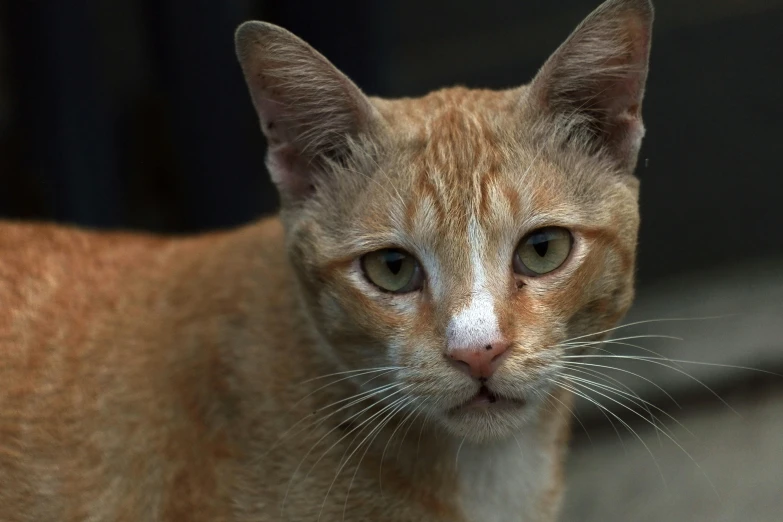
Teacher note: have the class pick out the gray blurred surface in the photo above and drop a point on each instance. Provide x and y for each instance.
(741, 455)
(731, 316)
(730, 463)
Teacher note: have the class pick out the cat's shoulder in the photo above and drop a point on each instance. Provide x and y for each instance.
(32, 240)
(24, 239)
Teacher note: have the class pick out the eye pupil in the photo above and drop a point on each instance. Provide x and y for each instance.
(394, 262)
(541, 248)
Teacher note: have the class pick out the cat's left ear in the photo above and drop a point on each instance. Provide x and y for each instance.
(595, 81)
(310, 112)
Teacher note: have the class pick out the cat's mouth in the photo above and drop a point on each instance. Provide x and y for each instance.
(485, 398)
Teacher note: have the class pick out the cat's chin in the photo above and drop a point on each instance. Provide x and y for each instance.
(487, 417)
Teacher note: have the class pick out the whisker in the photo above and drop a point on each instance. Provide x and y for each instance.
(666, 434)
(635, 399)
(608, 418)
(611, 380)
(573, 414)
(387, 370)
(627, 426)
(365, 383)
(355, 399)
(363, 423)
(421, 431)
(343, 458)
(420, 409)
(682, 361)
(456, 459)
(386, 447)
(673, 368)
(533, 162)
(382, 424)
(368, 370)
(647, 350)
(518, 444)
(293, 476)
(658, 361)
(647, 321)
(629, 372)
(596, 345)
(393, 405)
(629, 338)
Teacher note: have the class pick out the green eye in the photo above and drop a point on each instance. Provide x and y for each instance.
(542, 251)
(393, 271)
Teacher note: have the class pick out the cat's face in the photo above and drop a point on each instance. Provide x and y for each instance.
(458, 240)
(464, 256)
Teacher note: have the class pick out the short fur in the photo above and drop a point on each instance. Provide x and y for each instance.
(218, 377)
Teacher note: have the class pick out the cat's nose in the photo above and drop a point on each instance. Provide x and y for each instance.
(480, 362)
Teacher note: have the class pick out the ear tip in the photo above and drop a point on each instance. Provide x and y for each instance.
(644, 7)
(250, 28)
(254, 32)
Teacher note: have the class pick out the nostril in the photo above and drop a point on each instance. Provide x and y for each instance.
(459, 362)
(488, 347)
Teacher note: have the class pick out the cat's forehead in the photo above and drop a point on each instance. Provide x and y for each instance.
(452, 131)
(433, 104)
(457, 154)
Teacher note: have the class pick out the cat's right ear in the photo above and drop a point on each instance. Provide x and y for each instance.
(309, 110)
(594, 83)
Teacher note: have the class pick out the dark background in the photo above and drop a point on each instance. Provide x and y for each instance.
(134, 113)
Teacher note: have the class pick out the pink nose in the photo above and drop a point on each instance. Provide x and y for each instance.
(480, 362)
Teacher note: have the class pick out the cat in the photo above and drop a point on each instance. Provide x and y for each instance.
(388, 349)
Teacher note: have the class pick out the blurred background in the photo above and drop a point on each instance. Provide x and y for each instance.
(134, 114)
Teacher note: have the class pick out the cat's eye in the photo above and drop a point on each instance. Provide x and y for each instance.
(542, 251)
(393, 271)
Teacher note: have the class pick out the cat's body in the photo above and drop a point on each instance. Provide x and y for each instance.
(262, 374)
(139, 402)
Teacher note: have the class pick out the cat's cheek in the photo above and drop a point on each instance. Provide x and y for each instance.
(330, 315)
(417, 345)
(346, 310)
(602, 297)
(535, 328)
(569, 289)
(547, 307)
(403, 326)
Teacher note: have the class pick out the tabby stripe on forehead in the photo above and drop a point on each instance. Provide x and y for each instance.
(426, 211)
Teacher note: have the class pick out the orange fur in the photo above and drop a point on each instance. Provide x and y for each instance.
(252, 375)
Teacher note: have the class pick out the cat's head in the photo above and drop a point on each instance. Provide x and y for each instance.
(459, 239)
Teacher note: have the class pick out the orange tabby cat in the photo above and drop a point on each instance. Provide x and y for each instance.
(389, 349)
